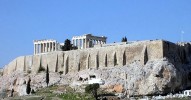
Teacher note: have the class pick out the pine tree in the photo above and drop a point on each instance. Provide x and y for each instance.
(47, 75)
(124, 39)
(28, 89)
(68, 46)
(12, 91)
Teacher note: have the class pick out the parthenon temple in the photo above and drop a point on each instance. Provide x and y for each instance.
(88, 41)
(43, 46)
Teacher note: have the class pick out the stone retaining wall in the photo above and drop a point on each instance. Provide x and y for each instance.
(76, 60)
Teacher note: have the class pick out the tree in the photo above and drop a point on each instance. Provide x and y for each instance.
(124, 39)
(68, 46)
(28, 89)
(47, 75)
(12, 91)
(92, 88)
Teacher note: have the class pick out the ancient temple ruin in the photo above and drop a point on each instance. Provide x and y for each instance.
(82, 42)
(44, 46)
(88, 41)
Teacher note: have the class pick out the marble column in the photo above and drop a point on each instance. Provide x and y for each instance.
(52, 46)
(79, 44)
(75, 42)
(48, 46)
(34, 49)
(55, 46)
(38, 48)
(42, 48)
(85, 43)
(82, 42)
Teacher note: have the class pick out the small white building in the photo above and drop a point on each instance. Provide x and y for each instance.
(94, 80)
(187, 93)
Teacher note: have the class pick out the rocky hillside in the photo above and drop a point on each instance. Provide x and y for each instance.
(1, 72)
(156, 77)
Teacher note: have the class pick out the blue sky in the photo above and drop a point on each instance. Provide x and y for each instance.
(22, 21)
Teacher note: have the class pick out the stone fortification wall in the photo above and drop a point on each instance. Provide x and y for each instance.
(76, 60)
(177, 53)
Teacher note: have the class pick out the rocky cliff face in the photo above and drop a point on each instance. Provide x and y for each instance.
(156, 77)
(1, 72)
(140, 68)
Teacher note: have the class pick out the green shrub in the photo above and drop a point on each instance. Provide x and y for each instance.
(61, 72)
(92, 88)
(41, 69)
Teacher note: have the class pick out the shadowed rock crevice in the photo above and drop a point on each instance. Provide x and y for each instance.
(105, 60)
(97, 61)
(56, 67)
(115, 59)
(124, 58)
(78, 67)
(66, 65)
(145, 56)
(41, 68)
(62, 61)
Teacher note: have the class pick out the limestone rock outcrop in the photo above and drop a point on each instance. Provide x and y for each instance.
(156, 77)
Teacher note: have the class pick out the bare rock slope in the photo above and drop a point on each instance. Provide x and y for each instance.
(156, 77)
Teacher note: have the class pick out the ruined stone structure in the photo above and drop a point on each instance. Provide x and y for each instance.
(87, 41)
(44, 46)
(82, 42)
(152, 67)
(77, 60)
